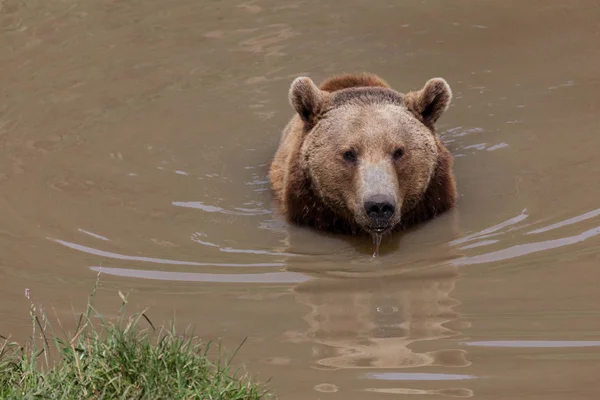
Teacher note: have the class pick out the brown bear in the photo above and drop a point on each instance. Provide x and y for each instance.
(361, 157)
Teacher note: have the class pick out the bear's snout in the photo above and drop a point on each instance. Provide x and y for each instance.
(380, 209)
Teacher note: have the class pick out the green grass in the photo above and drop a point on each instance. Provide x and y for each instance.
(116, 360)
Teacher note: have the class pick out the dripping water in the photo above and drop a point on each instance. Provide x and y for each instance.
(377, 242)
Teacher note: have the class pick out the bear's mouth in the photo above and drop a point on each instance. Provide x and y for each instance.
(379, 230)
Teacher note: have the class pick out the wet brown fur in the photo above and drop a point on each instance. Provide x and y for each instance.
(346, 81)
(294, 188)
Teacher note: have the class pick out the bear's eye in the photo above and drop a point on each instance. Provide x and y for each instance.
(398, 154)
(350, 156)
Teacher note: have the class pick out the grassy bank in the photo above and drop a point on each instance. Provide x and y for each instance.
(126, 359)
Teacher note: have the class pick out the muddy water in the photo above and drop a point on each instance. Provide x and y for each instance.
(134, 138)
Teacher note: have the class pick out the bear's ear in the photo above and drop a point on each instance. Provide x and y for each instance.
(429, 103)
(307, 99)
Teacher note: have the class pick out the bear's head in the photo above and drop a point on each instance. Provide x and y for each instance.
(370, 152)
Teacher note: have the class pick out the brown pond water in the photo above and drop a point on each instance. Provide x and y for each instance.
(134, 137)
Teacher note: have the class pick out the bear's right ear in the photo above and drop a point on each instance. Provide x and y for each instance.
(307, 99)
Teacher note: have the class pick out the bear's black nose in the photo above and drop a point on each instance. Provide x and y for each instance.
(380, 209)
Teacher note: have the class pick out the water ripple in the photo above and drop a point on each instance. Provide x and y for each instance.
(416, 376)
(536, 343)
(268, 277)
(566, 222)
(108, 254)
(215, 209)
(524, 249)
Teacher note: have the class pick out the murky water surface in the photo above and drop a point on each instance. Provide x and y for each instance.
(134, 139)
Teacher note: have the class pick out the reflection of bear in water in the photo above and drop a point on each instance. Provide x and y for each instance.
(370, 323)
(359, 156)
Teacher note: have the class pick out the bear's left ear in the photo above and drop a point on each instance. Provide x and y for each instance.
(307, 99)
(429, 103)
